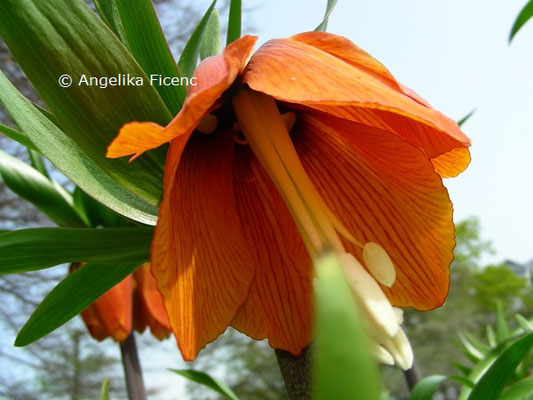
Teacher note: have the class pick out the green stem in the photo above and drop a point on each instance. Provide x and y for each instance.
(296, 373)
(132, 369)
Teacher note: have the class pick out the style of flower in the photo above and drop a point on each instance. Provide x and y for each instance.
(135, 303)
(308, 146)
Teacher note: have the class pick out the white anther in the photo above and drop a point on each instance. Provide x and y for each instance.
(379, 263)
(401, 350)
(208, 124)
(379, 315)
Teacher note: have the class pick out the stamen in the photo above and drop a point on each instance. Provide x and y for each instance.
(267, 134)
(400, 349)
(208, 124)
(381, 354)
(379, 263)
(380, 315)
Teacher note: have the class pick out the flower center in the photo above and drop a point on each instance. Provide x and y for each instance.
(267, 133)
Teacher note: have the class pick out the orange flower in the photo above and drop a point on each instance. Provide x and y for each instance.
(137, 298)
(226, 250)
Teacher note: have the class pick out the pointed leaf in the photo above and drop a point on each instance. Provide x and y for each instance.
(37, 162)
(189, 56)
(204, 379)
(17, 136)
(70, 297)
(66, 156)
(493, 381)
(108, 11)
(329, 8)
(519, 390)
(234, 21)
(104, 391)
(66, 37)
(32, 249)
(36, 188)
(502, 328)
(149, 47)
(524, 16)
(340, 350)
(526, 325)
(210, 45)
(463, 120)
(427, 387)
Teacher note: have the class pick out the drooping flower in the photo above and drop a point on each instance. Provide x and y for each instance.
(136, 302)
(270, 161)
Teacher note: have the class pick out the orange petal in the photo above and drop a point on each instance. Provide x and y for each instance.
(385, 191)
(214, 76)
(452, 163)
(344, 82)
(149, 309)
(200, 258)
(278, 306)
(110, 315)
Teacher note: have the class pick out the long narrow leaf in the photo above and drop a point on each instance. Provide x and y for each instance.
(67, 37)
(234, 21)
(149, 46)
(108, 11)
(204, 379)
(524, 16)
(55, 145)
(17, 136)
(32, 249)
(36, 188)
(427, 387)
(519, 390)
(493, 381)
(329, 8)
(210, 45)
(191, 52)
(71, 296)
(343, 367)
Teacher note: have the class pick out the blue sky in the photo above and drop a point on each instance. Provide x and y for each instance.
(455, 54)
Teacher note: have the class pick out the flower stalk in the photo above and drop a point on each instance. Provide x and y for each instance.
(132, 369)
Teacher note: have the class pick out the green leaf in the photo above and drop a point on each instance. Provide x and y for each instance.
(502, 328)
(66, 156)
(108, 11)
(36, 188)
(66, 37)
(324, 24)
(210, 45)
(521, 19)
(519, 390)
(234, 21)
(32, 249)
(149, 46)
(478, 344)
(491, 336)
(204, 379)
(462, 380)
(493, 381)
(17, 136)
(462, 368)
(480, 368)
(526, 325)
(463, 120)
(104, 391)
(343, 367)
(96, 213)
(189, 56)
(70, 297)
(470, 351)
(427, 387)
(37, 162)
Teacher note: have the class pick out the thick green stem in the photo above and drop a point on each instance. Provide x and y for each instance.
(296, 372)
(132, 369)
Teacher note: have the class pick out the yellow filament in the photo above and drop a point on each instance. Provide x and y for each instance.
(268, 137)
